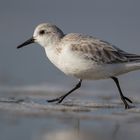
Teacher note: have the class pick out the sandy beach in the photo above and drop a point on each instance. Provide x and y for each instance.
(25, 114)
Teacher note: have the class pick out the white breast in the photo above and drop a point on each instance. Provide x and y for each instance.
(76, 65)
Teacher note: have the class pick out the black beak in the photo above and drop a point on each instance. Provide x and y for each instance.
(31, 40)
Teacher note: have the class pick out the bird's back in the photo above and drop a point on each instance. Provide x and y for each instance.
(98, 50)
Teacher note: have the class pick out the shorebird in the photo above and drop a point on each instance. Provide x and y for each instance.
(84, 57)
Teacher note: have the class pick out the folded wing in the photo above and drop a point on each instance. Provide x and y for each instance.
(102, 52)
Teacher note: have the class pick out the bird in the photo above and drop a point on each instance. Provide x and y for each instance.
(84, 57)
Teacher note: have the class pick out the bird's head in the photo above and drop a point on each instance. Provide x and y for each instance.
(44, 34)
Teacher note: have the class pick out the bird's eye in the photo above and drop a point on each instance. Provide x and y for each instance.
(42, 32)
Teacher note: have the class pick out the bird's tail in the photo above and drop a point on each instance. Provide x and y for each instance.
(131, 66)
(133, 61)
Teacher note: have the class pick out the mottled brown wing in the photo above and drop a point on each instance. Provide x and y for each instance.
(103, 52)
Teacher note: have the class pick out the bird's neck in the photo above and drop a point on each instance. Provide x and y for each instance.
(53, 53)
(53, 49)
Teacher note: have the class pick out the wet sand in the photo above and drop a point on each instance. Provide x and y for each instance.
(25, 115)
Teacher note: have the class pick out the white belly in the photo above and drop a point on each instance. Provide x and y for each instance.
(91, 71)
(82, 68)
(86, 69)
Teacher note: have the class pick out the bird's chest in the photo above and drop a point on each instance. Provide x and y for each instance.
(71, 64)
(64, 62)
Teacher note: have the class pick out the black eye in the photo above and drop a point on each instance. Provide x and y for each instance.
(42, 32)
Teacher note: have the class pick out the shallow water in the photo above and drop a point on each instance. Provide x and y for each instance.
(25, 115)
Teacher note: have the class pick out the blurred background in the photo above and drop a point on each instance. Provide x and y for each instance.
(25, 114)
(114, 21)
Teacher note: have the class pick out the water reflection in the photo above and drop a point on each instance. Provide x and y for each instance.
(33, 118)
(61, 135)
(69, 126)
(82, 132)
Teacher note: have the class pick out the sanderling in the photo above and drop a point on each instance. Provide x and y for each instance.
(84, 57)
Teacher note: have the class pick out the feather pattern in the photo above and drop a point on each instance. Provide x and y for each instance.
(97, 50)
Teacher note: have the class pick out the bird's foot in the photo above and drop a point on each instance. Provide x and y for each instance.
(125, 101)
(57, 100)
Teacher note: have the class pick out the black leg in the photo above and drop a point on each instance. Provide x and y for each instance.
(123, 98)
(61, 98)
